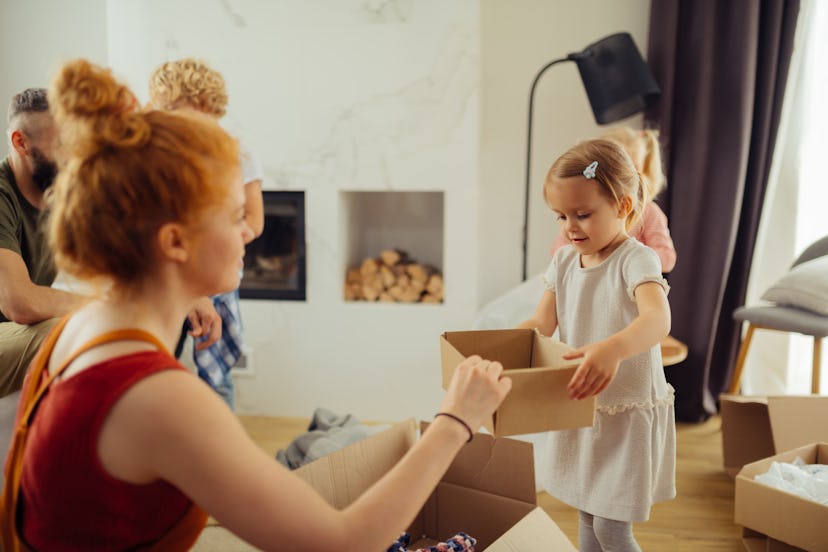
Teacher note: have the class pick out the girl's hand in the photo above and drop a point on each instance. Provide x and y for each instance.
(476, 390)
(595, 373)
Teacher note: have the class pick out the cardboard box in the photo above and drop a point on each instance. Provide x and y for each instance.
(758, 427)
(538, 400)
(782, 516)
(487, 492)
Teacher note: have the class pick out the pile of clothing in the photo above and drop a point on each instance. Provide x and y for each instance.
(460, 542)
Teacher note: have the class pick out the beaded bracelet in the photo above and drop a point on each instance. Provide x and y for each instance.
(453, 417)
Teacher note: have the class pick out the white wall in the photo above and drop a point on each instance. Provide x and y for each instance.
(362, 95)
(37, 35)
(338, 96)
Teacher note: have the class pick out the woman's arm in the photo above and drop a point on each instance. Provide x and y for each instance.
(170, 426)
(545, 318)
(601, 359)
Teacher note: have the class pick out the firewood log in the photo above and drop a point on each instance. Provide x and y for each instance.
(428, 298)
(410, 295)
(387, 277)
(372, 287)
(356, 290)
(369, 267)
(417, 286)
(418, 271)
(435, 284)
(349, 293)
(391, 257)
(353, 275)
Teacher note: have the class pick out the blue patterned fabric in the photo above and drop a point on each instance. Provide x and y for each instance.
(214, 363)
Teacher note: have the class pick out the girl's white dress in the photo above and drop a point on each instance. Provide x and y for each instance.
(625, 462)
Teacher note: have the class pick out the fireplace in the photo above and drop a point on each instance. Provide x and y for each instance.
(275, 262)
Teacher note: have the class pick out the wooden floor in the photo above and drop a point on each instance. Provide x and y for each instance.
(699, 518)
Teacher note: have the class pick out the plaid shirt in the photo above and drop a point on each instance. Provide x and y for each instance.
(215, 362)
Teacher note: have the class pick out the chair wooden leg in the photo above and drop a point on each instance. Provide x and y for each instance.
(736, 380)
(817, 364)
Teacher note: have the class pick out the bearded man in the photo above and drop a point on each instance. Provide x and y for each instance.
(29, 306)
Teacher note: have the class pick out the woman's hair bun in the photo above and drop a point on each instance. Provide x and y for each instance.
(94, 111)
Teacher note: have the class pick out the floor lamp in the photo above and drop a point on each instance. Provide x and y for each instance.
(618, 84)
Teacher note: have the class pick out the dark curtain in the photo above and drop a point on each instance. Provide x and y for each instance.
(722, 67)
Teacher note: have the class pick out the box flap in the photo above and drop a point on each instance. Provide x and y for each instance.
(746, 431)
(482, 515)
(536, 532)
(547, 351)
(512, 348)
(797, 421)
(343, 475)
(505, 467)
(539, 402)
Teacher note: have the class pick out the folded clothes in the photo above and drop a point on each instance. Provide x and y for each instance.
(461, 542)
(326, 433)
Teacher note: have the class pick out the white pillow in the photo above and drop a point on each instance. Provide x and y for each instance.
(804, 287)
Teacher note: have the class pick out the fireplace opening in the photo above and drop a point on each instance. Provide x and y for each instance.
(275, 262)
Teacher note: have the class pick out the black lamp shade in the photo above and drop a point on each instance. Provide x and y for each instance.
(617, 81)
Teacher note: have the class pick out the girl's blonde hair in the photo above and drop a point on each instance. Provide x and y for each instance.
(645, 151)
(188, 82)
(124, 173)
(615, 173)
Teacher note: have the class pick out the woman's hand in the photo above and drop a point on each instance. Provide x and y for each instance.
(476, 390)
(595, 373)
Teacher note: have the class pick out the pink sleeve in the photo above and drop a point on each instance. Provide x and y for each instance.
(559, 242)
(654, 233)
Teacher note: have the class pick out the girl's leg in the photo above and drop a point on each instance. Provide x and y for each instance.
(586, 536)
(614, 536)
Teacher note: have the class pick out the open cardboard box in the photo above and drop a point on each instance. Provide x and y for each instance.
(786, 519)
(487, 492)
(538, 400)
(758, 427)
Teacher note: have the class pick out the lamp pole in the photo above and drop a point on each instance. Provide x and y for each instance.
(529, 159)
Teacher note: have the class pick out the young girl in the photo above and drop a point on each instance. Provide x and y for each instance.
(651, 230)
(606, 295)
(191, 84)
(127, 450)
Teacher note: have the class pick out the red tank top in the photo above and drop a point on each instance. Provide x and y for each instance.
(67, 500)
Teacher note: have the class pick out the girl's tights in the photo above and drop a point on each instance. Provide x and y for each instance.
(597, 534)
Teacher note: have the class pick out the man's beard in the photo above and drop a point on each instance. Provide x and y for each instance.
(44, 171)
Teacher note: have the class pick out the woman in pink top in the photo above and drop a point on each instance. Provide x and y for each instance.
(651, 230)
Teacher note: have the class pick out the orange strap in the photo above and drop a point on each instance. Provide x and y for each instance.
(180, 537)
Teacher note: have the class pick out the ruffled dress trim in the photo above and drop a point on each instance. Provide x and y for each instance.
(619, 408)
